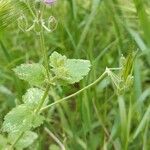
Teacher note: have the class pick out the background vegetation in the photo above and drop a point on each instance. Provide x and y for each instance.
(98, 30)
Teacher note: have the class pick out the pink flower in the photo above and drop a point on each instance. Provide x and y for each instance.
(50, 2)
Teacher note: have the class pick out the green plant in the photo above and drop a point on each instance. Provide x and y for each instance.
(93, 118)
(20, 120)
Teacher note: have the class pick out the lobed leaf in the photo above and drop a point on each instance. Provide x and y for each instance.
(21, 119)
(3, 142)
(34, 73)
(33, 96)
(57, 60)
(26, 140)
(77, 69)
(37, 120)
(69, 70)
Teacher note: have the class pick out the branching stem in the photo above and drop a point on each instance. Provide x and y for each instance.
(43, 99)
(78, 92)
(43, 49)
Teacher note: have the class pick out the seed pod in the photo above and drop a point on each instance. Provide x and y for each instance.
(22, 23)
(52, 23)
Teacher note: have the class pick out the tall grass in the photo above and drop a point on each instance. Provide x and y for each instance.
(98, 30)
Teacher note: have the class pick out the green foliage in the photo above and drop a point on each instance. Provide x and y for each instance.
(57, 60)
(26, 140)
(10, 11)
(96, 30)
(54, 147)
(33, 73)
(3, 142)
(145, 120)
(64, 70)
(17, 119)
(21, 119)
(33, 96)
(37, 120)
(123, 80)
(77, 69)
(127, 65)
(69, 70)
(7, 13)
(26, 116)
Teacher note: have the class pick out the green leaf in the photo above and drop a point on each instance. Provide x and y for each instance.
(143, 123)
(57, 60)
(37, 120)
(77, 69)
(123, 118)
(127, 65)
(34, 73)
(26, 140)
(68, 70)
(3, 142)
(33, 96)
(21, 119)
(18, 119)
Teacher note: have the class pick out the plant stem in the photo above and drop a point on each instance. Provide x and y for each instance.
(55, 138)
(36, 111)
(43, 49)
(43, 99)
(78, 92)
(30, 9)
(16, 140)
(42, 42)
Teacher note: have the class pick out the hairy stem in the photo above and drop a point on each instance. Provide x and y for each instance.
(36, 111)
(43, 49)
(78, 92)
(16, 140)
(46, 62)
(43, 99)
(42, 41)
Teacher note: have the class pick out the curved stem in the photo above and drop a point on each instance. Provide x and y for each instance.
(78, 92)
(55, 138)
